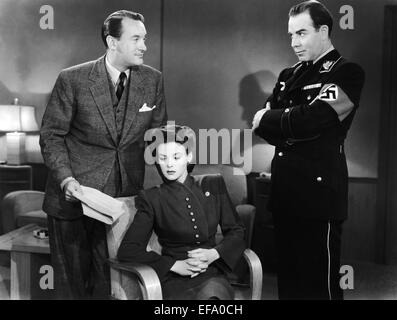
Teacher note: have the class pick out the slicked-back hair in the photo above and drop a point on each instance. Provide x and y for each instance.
(112, 25)
(318, 12)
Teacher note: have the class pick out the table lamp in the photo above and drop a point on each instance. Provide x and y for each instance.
(15, 120)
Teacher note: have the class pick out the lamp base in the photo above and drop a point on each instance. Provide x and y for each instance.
(16, 153)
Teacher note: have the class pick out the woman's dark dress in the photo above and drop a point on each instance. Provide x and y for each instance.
(185, 217)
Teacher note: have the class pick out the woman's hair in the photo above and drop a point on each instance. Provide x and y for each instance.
(174, 133)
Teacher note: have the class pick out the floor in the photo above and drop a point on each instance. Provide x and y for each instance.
(371, 282)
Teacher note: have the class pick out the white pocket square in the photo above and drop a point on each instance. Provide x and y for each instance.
(145, 108)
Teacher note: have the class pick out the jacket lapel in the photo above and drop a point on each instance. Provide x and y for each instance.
(136, 93)
(101, 95)
(316, 71)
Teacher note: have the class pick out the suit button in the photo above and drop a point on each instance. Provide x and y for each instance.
(196, 235)
(189, 206)
(194, 227)
(309, 97)
(198, 242)
(187, 199)
(290, 102)
(191, 213)
(207, 193)
(319, 179)
(280, 154)
(193, 220)
(286, 110)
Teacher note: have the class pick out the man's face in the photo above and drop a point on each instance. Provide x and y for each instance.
(306, 41)
(131, 47)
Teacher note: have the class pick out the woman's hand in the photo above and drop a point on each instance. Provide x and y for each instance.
(204, 255)
(189, 267)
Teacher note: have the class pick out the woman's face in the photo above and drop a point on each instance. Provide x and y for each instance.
(173, 160)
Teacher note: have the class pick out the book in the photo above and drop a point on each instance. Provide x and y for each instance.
(100, 206)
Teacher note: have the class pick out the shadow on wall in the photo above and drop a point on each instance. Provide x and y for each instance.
(252, 97)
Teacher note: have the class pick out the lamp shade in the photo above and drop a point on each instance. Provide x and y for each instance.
(17, 118)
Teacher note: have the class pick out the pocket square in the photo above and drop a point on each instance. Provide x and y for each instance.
(145, 108)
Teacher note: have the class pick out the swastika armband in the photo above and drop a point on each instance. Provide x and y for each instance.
(333, 95)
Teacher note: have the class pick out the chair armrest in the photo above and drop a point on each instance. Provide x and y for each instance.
(256, 275)
(247, 213)
(151, 286)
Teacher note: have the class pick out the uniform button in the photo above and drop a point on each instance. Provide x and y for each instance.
(319, 179)
(194, 227)
(309, 97)
(198, 242)
(197, 236)
(193, 220)
(187, 199)
(286, 110)
(280, 154)
(207, 193)
(290, 102)
(191, 213)
(189, 206)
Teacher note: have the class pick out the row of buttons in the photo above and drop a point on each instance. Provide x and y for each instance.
(189, 206)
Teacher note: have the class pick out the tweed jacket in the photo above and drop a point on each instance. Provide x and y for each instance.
(78, 136)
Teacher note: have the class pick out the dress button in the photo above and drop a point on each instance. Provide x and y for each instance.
(187, 199)
(286, 110)
(280, 154)
(193, 219)
(194, 227)
(189, 206)
(191, 213)
(319, 179)
(197, 236)
(207, 193)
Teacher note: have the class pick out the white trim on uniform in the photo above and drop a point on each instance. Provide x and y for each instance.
(329, 262)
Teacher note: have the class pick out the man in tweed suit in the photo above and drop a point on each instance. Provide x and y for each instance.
(92, 134)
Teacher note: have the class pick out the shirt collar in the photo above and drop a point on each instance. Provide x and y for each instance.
(114, 73)
(325, 53)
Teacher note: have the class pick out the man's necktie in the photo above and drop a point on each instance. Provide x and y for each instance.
(120, 86)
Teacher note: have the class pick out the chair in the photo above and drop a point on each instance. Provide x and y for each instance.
(137, 281)
(20, 208)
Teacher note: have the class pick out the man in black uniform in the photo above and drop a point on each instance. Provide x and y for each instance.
(307, 118)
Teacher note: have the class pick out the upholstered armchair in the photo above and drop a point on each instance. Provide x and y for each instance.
(137, 281)
(21, 208)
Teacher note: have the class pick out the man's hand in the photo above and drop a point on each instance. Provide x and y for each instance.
(189, 267)
(258, 116)
(72, 187)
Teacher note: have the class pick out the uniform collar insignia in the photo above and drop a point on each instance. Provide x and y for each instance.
(328, 65)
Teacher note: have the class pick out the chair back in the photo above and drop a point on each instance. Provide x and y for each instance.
(116, 231)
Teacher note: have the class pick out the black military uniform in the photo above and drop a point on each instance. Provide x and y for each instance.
(311, 110)
(185, 216)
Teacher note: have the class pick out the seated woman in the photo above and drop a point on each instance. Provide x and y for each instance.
(184, 212)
